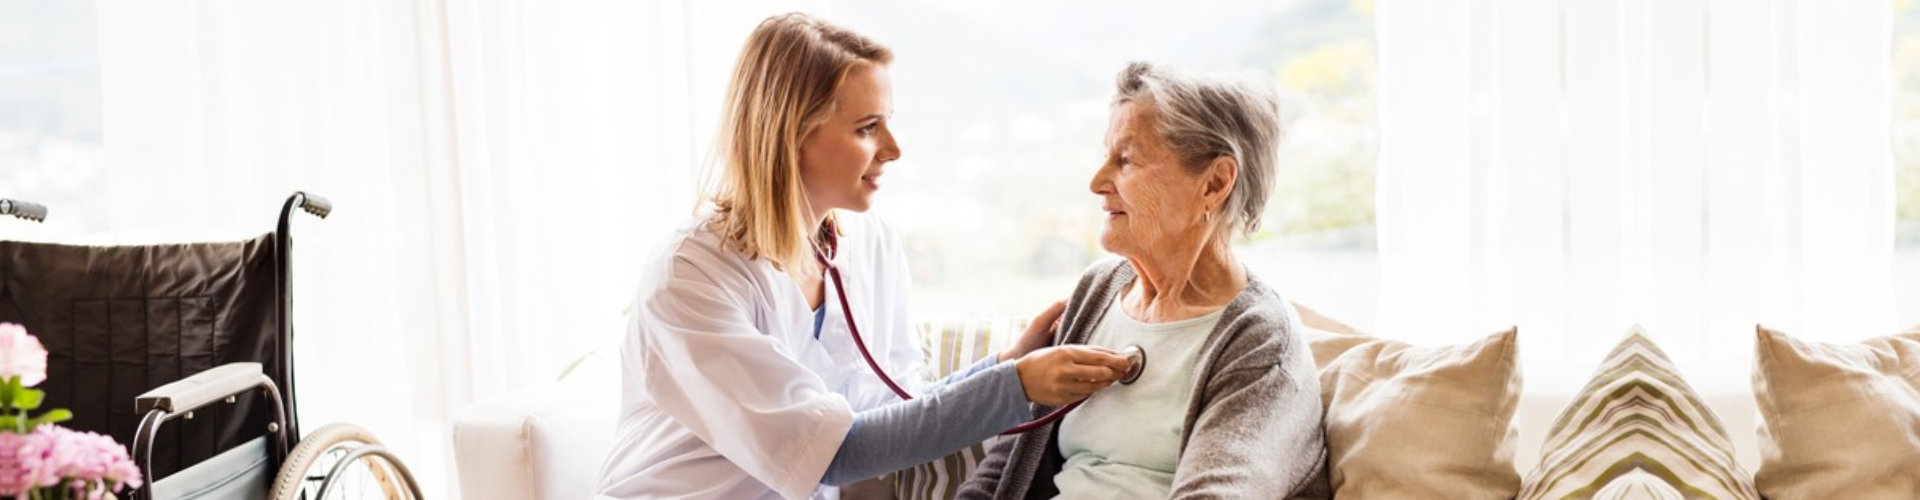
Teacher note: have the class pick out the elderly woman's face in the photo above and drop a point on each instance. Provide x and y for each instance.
(1150, 200)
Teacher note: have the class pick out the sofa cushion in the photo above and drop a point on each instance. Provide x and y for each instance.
(1840, 420)
(1406, 421)
(1637, 430)
(540, 444)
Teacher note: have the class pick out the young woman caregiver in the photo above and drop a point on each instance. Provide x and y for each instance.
(741, 373)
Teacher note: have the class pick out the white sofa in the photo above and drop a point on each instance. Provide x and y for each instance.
(548, 443)
(545, 443)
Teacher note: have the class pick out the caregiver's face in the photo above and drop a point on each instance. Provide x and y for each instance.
(841, 159)
(1151, 201)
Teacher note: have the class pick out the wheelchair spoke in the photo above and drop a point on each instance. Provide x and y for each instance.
(342, 461)
(368, 478)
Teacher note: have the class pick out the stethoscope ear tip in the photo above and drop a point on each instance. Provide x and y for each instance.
(1136, 363)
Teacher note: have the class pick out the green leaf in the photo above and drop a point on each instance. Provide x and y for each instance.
(7, 390)
(575, 365)
(28, 399)
(9, 423)
(55, 415)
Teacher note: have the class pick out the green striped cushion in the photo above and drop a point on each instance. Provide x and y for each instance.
(953, 344)
(940, 479)
(1637, 431)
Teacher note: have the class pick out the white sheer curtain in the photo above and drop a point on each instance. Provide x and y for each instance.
(214, 111)
(1692, 166)
(498, 169)
(578, 130)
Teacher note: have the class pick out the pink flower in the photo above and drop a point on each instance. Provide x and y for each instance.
(14, 469)
(54, 457)
(22, 355)
(22, 462)
(86, 457)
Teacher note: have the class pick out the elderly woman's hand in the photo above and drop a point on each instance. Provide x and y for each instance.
(1039, 333)
(1059, 375)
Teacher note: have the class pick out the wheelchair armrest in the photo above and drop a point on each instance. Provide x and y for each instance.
(202, 388)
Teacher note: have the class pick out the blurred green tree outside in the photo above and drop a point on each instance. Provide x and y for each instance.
(1325, 192)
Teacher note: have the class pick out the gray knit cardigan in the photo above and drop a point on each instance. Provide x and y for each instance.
(1253, 429)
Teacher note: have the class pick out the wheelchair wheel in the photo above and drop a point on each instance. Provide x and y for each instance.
(342, 461)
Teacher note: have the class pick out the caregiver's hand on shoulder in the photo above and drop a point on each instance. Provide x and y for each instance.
(1039, 333)
(1059, 375)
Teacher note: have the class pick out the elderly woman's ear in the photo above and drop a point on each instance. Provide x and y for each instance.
(1221, 174)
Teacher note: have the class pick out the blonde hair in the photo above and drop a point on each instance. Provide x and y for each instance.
(782, 88)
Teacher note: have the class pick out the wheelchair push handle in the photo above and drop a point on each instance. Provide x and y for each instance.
(311, 203)
(24, 209)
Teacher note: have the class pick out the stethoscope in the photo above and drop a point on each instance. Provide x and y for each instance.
(1136, 356)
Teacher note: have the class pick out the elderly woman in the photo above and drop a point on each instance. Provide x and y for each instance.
(1227, 404)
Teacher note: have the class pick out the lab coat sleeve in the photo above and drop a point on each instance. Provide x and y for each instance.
(713, 371)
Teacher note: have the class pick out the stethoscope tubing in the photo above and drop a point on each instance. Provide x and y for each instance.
(840, 289)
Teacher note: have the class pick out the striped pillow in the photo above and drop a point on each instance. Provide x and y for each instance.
(1637, 431)
(953, 344)
(940, 479)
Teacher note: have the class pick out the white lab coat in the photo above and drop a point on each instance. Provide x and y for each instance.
(725, 391)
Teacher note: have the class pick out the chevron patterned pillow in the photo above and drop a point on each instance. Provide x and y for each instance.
(1637, 431)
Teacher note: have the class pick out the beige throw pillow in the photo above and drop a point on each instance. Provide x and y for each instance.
(1839, 420)
(1416, 422)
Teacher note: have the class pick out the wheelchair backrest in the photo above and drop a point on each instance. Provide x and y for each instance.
(120, 320)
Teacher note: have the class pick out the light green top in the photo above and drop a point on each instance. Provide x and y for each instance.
(1124, 442)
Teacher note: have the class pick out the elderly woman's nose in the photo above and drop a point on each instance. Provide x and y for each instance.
(1102, 183)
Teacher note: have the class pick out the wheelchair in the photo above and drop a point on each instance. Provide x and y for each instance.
(198, 338)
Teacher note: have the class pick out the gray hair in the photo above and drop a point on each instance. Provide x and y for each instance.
(1205, 118)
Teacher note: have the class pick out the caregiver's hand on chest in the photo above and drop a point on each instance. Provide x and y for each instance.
(1058, 375)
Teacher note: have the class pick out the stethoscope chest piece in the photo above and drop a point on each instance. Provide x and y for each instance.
(1137, 358)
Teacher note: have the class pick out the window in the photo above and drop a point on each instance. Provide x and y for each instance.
(50, 120)
(1906, 158)
(1001, 110)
